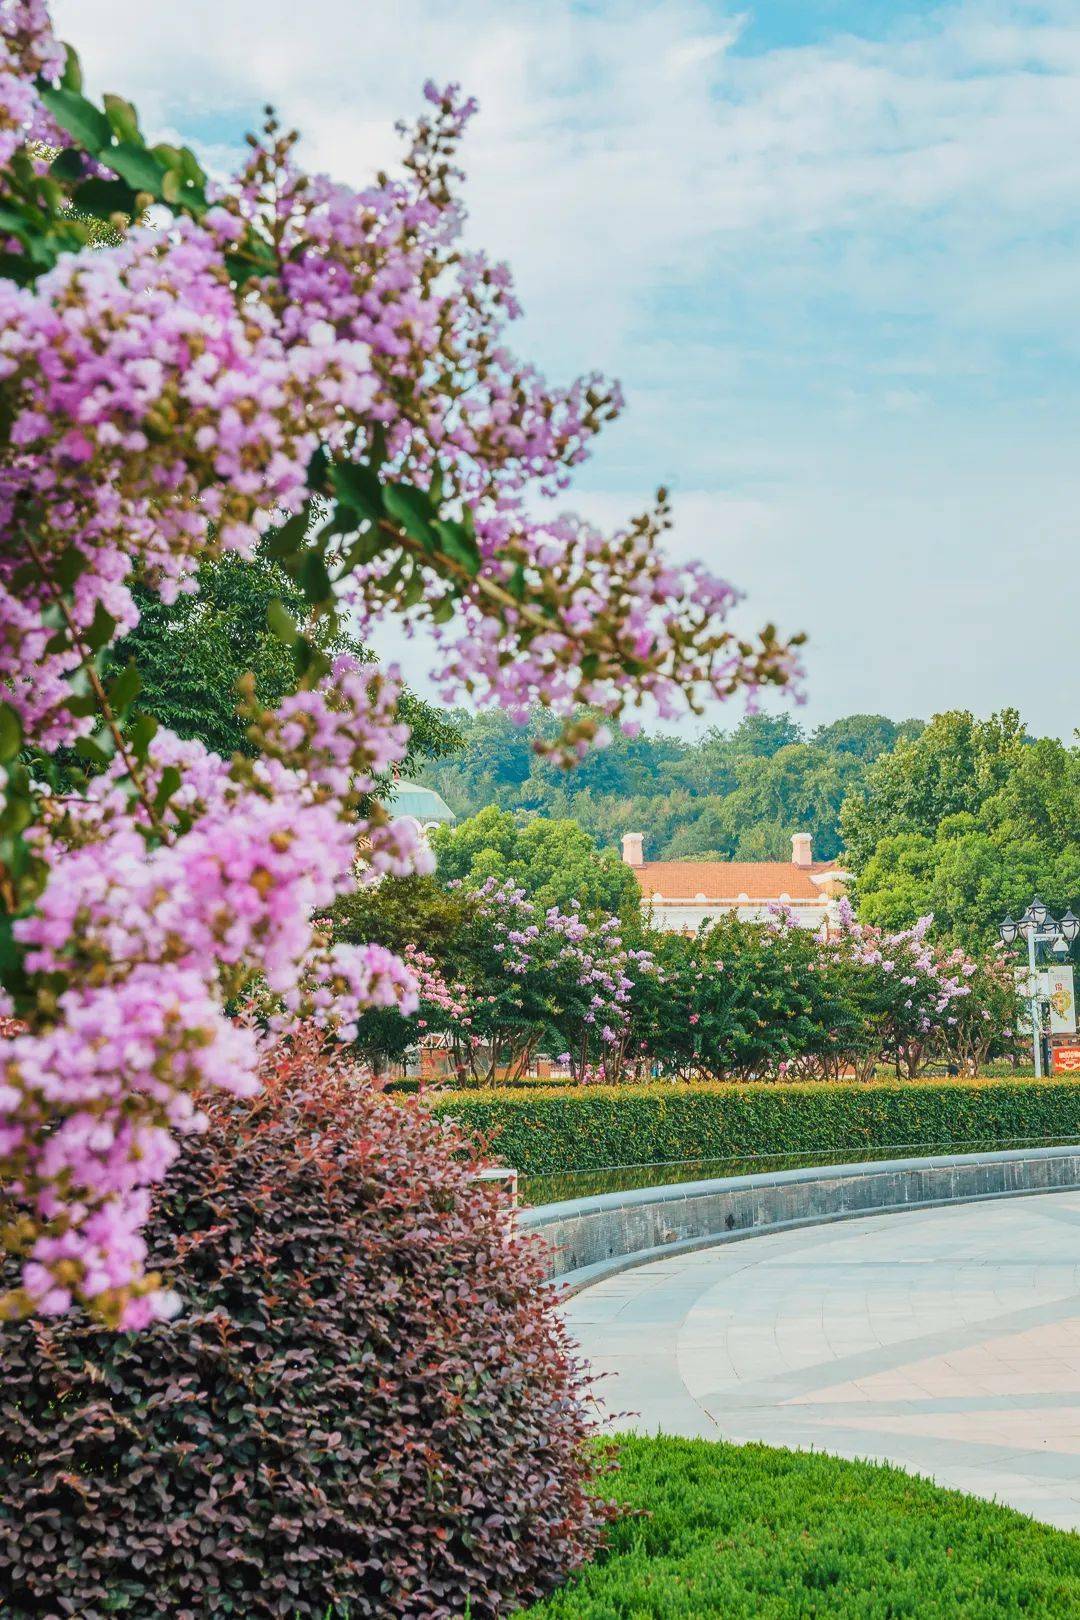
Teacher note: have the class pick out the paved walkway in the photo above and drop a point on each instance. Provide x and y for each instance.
(945, 1340)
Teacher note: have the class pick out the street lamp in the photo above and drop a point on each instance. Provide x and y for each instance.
(1039, 928)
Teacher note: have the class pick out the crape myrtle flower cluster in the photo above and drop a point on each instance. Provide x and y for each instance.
(287, 362)
(934, 977)
(28, 48)
(921, 985)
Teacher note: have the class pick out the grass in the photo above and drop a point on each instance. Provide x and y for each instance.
(740, 1531)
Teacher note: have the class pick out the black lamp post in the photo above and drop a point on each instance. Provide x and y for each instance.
(1038, 927)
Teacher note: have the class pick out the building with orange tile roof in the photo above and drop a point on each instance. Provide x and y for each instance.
(682, 895)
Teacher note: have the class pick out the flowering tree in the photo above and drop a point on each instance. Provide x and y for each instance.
(907, 990)
(986, 1019)
(533, 979)
(288, 361)
(747, 1000)
(774, 1000)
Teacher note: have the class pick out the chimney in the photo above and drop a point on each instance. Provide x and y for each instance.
(800, 850)
(632, 849)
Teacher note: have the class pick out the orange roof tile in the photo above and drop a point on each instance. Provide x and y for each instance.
(727, 880)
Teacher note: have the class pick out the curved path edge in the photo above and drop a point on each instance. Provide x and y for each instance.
(587, 1239)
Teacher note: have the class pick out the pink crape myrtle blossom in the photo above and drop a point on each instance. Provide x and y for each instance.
(162, 931)
(288, 362)
(28, 47)
(917, 984)
(350, 980)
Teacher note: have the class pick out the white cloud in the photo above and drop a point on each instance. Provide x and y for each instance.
(839, 279)
(626, 143)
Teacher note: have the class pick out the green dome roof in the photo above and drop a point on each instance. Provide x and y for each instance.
(422, 803)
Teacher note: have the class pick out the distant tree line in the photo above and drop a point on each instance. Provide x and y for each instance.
(963, 818)
(734, 795)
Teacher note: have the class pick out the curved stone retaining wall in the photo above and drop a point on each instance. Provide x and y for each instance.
(588, 1238)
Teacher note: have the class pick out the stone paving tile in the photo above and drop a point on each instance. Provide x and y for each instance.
(946, 1340)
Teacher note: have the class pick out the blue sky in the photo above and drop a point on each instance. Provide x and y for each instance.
(831, 249)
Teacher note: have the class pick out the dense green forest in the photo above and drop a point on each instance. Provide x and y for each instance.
(734, 795)
(961, 817)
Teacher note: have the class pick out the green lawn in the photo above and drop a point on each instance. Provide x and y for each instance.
(744, 1531)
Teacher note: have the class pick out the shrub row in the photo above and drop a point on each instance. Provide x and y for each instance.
(545, 1132)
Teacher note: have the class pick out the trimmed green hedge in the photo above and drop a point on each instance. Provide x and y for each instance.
(545, 1132)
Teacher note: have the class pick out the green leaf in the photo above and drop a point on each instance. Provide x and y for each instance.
(443, 610)
(412, 510)
(103, 198)
(17, 267)
(171, 157)
(68, 165)
(516, 583)
(11, 733)
(170, 781)
(287, 540)
(414, 590)
(313, 578)
(71, 79)
(102, 627)
(93, 752)
(26, 574)
(82, 120)
(281, 623)
(68, 566)
(357, 487)
(17, 816)
(193, 172)
(12, 953)
(137, 166)
(82, 704)
(125, 689)
(140, 733)
(458, 544)
(309, 660)
(364, 548)
(123, 118)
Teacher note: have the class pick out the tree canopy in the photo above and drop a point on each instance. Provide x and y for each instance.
(736, 794)
(954, 765)
(556, 863)
(192, 653)
(1008, 828)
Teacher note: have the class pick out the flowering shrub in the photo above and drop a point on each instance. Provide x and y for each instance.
(288, 361)
(744, 1000)
(505, 980)
(906, 991)
(367, 1402)
(530, 978)
(986, 1023)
